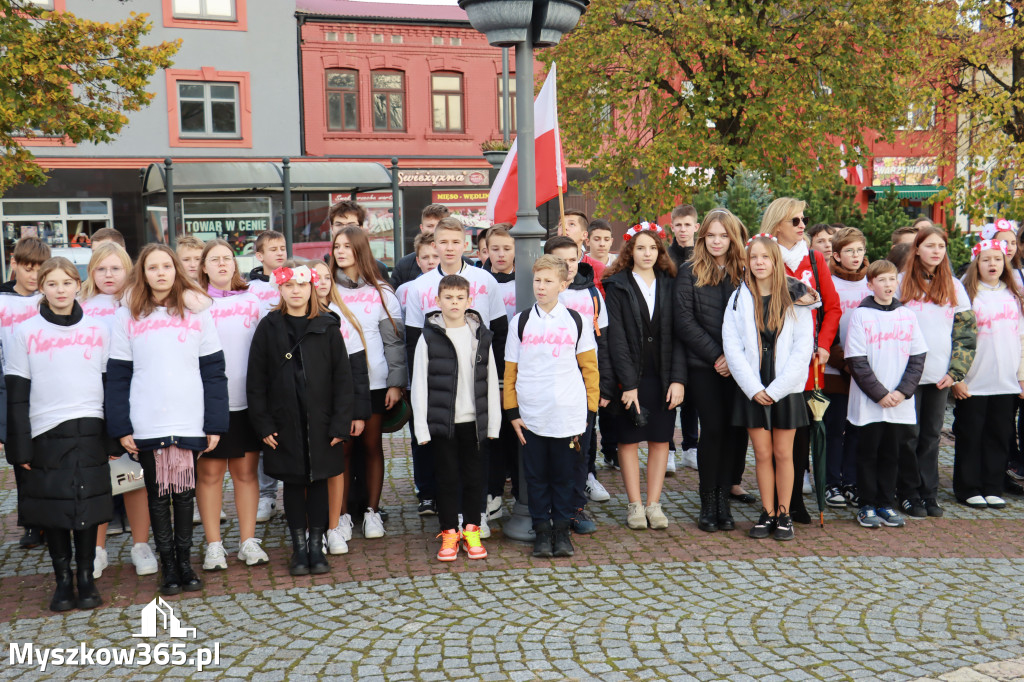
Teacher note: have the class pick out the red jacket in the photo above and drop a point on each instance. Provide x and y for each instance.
(831, 311)
(598, 271)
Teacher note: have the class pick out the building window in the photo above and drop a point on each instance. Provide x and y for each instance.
(446, 92)
(350, 37)
(208, 109)
(512, 102)
(209, 10)
(918, 118)
(376, 37)
(396, 39)
(438, 40)
(455, 42)
(331, 36)
(342, 100)
(388, 97)
(42, 4)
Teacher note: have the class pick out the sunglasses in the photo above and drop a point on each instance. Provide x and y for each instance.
(797, 221)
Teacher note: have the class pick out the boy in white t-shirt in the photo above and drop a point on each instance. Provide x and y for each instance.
(884, 348)
(426, 260)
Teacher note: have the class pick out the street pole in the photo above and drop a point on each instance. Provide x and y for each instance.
(289, 218)
(506, 99)
(397, 226)
(172, 230)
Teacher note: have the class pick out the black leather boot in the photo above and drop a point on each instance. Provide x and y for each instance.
(542, 540)
(184, 505)
(163, 538)
(299, 564)
(60, 555)
(317, 561)
(724, 515)
(708, 519)
(85, 555)
(562, 543)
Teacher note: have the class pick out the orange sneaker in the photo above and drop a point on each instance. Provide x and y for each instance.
(471, 542)
(449, 545)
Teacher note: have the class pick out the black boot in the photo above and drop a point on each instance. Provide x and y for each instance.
(708, 519)
(542, 540)
(299, 564)
(31, 539)
(317, 561)
(797, 510)
(60, 556)
(562, 544)
(163, 538)
(85, 555)
(184, 505)
(724, 515)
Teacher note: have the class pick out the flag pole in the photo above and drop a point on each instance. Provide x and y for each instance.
(561, 210)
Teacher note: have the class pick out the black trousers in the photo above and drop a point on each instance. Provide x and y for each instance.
(919, 475)
(583, 464)
(549, 465)
(458, 469)
(609, 435)
(981, 427)
(841, 443)
(305, 505)
(878, 454)
(722, 448)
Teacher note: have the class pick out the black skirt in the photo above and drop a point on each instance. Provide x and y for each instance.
(790, 412)
(240, 438)
(660, 422)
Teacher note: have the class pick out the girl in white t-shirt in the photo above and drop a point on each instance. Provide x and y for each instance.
(236, 311)
(339, 534)
(166, 399)
(55, 367)
(928, 288)
(372, 301)
(109, 270)
(985, 398)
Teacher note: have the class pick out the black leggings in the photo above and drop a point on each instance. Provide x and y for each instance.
(722, 448)
(305, 504)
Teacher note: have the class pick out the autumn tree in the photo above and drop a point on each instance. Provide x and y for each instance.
(658, 98)
(63, 76)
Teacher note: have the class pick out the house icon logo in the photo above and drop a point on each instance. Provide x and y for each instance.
(157, 613)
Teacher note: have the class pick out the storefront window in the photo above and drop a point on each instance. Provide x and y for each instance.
(238, 220)
(58, 222)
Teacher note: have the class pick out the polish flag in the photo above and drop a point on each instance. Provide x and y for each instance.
(503, 201)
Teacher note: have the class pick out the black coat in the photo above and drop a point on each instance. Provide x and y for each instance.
(679, 254)
(627, 343)
(700, 312)
(271, 389)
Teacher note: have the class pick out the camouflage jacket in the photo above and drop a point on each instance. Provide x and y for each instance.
(965, 344)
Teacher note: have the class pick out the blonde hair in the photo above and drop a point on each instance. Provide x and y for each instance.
(188, 242)
(781, 303)
(549, 262)
(100, 254)
(705, 270)
(334, 296)
(779, 210)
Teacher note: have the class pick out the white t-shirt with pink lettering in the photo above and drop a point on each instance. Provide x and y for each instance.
(850, 296)
(887, 339)
(167, 388)
(267, 293)
(14, 310)
(365, 303)
(1000, 325)
(353, 344)
(484, 295)
(235, 318)
(508, 297)
(582, 301)
(65, 366)
(937, 325)
(101, 307)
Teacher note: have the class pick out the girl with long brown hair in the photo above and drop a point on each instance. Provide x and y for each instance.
(166, 399)
(702, 290)
(943, 308)
(768, 342)
(374, 304)
(645, 365)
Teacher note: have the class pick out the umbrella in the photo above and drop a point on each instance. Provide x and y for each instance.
(818, 403)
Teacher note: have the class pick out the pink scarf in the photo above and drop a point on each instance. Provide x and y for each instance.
(175, 471)
(214, 292)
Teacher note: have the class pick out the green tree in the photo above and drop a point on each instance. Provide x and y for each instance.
(64, 76)
(660, 90)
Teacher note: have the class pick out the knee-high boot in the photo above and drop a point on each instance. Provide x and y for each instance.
(163, 537)
(184, 505)
(59, 543)
(85, 554)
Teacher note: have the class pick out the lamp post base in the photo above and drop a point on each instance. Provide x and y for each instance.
(519, 527)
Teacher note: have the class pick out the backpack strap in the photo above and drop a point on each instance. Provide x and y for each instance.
(595, 296)
(523, 317)
(578, 319)
(820, 312)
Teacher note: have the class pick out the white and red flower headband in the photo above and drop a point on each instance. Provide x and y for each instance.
(761, 235)
(989, 245)
(301, 275)
(1002, 225)
(644, 227)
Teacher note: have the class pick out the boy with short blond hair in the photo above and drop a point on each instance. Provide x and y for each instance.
(426, 260)
(190, 252)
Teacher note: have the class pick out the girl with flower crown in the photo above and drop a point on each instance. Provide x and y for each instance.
(644, 368)
(300, 393)
(985, 397)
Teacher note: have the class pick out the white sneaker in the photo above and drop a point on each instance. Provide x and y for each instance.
(265, 509)
(993, 501)
(495, 510)
(485, 530)
(807, 483)
(251, 553)
(336, 541)
(670, 464)
(373, 527)
(216, 557)
(690, 458)
(346, 525)
(144, 559)
(99, 563)
(595, 490)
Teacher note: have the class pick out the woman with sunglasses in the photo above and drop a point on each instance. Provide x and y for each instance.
(784, 219)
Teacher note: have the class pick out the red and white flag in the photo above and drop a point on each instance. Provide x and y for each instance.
(503, 201)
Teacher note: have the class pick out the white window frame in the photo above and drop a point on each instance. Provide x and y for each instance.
(62, 218)
(204, 14)
(208, 110)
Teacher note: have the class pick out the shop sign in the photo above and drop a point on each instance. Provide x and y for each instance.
(435, 178)
(227, 224)
(906, 170)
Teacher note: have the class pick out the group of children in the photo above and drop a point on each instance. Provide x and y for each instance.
(194, 371)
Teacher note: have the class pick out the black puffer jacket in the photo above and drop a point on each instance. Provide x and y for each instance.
(627, 343)
(679, 254)
(699, 315)
(443, 375)
(271, 388)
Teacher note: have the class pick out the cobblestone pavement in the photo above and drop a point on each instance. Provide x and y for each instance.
(937, 600)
